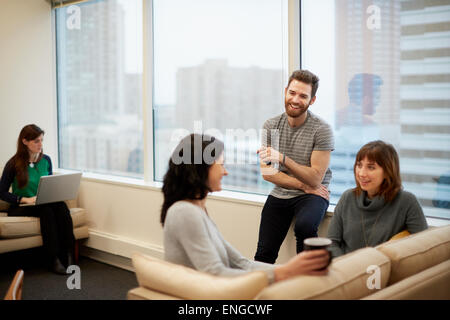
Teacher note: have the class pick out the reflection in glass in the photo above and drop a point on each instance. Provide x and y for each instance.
(390, 79)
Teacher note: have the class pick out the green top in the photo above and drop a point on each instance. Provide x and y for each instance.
(41, 168)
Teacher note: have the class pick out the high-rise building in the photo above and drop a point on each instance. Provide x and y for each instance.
(425, 103)
(235, 101)
(226, 97)
(100, 105)
(367, 87)
(92, 74)
(397, 89)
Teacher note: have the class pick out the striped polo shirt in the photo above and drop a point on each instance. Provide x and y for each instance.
(297, 143)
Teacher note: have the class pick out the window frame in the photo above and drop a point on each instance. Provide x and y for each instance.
(291, 61)
(292, 51)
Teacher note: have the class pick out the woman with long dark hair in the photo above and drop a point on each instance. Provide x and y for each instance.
(190, 236)
(377, 208)
(23, 172)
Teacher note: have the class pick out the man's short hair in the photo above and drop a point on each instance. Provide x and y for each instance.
(307, 77)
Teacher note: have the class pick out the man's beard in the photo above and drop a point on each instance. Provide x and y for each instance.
(295, 113)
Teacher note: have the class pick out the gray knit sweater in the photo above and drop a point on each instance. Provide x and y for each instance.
(192, 239)
(353, 222)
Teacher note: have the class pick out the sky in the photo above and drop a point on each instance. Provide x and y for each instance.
(133, 35)
(186, 33)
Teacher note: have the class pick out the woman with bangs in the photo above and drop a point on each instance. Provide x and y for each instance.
(378, 208)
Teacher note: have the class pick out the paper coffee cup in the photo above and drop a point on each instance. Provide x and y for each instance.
(318, 243)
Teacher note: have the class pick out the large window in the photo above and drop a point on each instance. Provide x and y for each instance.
(99, 62)
(218, 69)
(385, 74)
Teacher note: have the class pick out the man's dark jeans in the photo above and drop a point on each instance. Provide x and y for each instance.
(276, 218)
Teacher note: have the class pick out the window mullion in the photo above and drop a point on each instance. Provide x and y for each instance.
(147, 90)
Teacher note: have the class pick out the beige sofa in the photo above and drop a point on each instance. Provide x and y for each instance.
(415, 267)
(17, 233)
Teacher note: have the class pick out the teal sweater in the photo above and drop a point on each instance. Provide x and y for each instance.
(358, 219)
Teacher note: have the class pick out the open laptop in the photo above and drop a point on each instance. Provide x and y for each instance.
(57, 188)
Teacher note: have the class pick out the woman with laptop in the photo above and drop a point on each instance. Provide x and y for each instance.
(23, 172)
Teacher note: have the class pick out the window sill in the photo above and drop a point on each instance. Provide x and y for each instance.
(224, 195)
(239, 197)
(117, 180)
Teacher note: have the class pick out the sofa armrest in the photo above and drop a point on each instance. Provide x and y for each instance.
(430, 284)
(186, 283)
(347, 279)
(72, 203)
(4, 206)
(417, 252)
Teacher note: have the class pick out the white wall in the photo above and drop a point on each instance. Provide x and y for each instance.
(26, 73)
(122, 218)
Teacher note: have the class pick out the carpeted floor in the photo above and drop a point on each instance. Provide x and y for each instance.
(99, 281)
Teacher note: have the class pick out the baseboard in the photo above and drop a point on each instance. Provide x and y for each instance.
(108, 258)
(116, 250)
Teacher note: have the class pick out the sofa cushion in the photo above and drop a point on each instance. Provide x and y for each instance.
(78, 216)
(14, 227)
(4, 206)
(417, 252)
(348, 278)
(430, 284)
(187, 283)
(14, 244)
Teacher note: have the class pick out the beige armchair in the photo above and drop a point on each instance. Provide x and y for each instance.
(17, 233)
